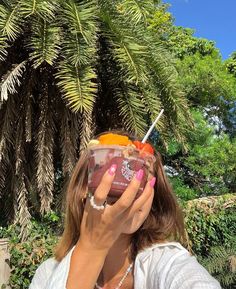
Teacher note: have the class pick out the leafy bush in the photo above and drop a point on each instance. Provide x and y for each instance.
(211, 227)
(210, 222)
(26, 256)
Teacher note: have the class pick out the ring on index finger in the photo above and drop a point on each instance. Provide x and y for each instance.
(95, 206)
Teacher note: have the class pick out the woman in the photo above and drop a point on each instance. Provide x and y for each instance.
(129, 243)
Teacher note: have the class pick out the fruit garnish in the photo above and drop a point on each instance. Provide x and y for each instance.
(114, 139)
(138, 144)
(93, 142)
(148, 148)
(144, 147)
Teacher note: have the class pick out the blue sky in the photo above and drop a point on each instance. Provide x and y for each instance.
(211, 19)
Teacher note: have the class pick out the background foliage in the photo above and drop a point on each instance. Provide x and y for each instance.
(27, 256)
(209, 165)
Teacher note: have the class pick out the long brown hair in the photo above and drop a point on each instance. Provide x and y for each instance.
(165, 221)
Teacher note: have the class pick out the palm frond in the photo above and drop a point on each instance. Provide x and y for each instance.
(87, 129)
(10, 21)
(19, 150)
(8, 112)
(79, 39)
(132, 110)
(76, 74)
(81, 18)
(76, 51)
(44, 42)
(11, 80)
(69, 137)
(45, 9)
(7, 200)
(128, 51)
(165, 79)
(3, 169)
(44, 156)
(135, 10)
(28, 119)
(23, 215)
(3, 47)
(22, 211)
(153, 105)
(78, 86)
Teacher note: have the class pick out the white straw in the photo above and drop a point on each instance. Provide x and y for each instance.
(152, 126)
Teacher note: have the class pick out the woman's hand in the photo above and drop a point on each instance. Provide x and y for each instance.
(100, 229)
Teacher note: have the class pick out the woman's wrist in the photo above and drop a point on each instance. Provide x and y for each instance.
(85, 266)
(91, 249)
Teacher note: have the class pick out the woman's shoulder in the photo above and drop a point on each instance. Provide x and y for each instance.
(168, 254)
(43, 273)
(172, 266)
(163, 252)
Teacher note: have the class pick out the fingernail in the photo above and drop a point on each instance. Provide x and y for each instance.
(112, 170)
(152, 182)
(139, 175)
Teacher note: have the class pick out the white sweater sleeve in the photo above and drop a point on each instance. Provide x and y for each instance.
(51, 274)
(186, 273)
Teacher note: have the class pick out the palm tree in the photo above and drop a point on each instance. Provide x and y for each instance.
(70, 69)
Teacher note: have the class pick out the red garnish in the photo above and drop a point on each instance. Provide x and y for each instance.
(138, 144)
(148, 148)
(144, 147)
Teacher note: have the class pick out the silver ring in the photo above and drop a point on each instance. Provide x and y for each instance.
(95, 206)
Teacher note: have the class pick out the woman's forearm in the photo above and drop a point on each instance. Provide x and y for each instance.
(85, 267)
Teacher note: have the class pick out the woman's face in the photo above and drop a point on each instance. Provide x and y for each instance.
(136, 222)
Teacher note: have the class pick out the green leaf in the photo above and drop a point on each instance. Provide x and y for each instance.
(78, 86)
(3, 47)
(10, 21)
(44, 42)
(81, 19)
(132, 110)
(135, 10)
(127, 50)
(46, 9)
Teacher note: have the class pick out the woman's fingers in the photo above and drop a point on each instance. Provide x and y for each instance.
(129, 194)
(102, 229)
(104, 187)
(140, 201)
(100, 195)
